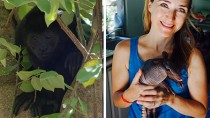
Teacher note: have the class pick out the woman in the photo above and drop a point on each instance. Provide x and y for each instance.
(165, 30)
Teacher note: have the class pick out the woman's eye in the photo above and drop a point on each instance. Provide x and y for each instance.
(181, 10)
(164, 5)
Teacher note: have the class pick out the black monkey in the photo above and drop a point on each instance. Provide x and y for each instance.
(49, 49)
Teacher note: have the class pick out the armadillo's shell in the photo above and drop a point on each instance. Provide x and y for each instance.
(153, 73)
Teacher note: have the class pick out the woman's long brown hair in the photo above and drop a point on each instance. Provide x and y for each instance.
(183, 39)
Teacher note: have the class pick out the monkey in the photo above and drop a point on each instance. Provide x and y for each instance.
(49, 48)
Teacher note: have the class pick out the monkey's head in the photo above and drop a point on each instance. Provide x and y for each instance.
(42, 44)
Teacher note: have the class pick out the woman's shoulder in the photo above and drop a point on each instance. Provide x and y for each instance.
(196, 58)
(195, 55)
(123, 45)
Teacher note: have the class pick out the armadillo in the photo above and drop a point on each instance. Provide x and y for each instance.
(155, 72)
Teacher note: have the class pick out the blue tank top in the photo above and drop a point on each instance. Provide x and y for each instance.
(164, 111)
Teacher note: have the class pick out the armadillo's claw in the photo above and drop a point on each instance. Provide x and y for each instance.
(181, 84)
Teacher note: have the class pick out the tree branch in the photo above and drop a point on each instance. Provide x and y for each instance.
(72, 37)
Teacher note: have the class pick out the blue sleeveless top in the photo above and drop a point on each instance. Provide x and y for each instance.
(164, 111)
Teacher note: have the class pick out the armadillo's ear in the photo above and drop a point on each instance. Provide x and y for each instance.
(175, 77)
(165, 55)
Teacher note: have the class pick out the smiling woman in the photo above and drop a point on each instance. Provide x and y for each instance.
(165, 27)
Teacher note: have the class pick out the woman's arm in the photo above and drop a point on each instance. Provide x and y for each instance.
(197, 83)
(120, 77)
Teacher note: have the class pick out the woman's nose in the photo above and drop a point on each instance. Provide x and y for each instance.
(171, 14)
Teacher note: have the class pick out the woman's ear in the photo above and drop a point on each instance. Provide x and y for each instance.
(149, 5)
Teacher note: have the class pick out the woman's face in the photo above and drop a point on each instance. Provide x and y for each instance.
(168, 16)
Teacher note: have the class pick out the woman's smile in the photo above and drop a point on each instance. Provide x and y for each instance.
(166, 25)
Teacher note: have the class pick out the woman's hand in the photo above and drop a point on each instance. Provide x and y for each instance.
(155, 98)
(135, 90)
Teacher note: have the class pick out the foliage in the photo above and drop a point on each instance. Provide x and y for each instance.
(38, 79)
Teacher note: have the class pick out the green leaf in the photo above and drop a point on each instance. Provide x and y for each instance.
(93, 1)
(35, 82)
(8, 5)
(25, 75)
(87, 31)
(74, 102)
(3, 54)
(91, 69)
(44, 5)
(86, 15)
(93, 62)
(85, 4)
(51, 80)
(96, 48)
(26, 60)
(66, 5)
(18, 3)
(26, 86)
(69, 113)
(52, 15)
(48, 75)
(46, 85)
(3, 62)
(23, 10)
(66, 102)
(7, 70)
(87, 73)
(83, 106)
(90, 82)
(67, 18)
(57, 82)
(54, 115)
(11, 47)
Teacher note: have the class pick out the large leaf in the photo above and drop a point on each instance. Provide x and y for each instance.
(93, 62)
(18, 3)
(86, 14)
(90, 82)
(57, 82)
(23, 10)
(7, 70)
(91, 69)
(3, 62)
(66, 5)
(44, 5)
(67, 18)
(85, 4)
(46, 85)
(8, 5)
(12, 48)
(52, 15)
(26, 86)
(25, 75)
(35, 82)
(54, 115)
(51, 80)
